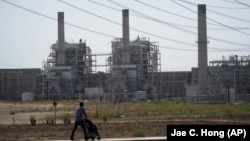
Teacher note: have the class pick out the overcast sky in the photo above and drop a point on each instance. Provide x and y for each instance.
(29, 28)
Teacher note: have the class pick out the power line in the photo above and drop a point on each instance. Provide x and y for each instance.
(93, 31)
(118, 10)
(191, 18)
(242, 3)
(54, 19)
(135, 29)
(233, 8)
(210, 18)
(79, 27)
(186, 26)
(211, 49)
(221, 7)
(181, 49)
(229, 1)
(170, 12)
(228, 16)
(154, 19)
(165, 11)
(109, 7)
(104, 5)
(184, 30)
(51, 18)
(218, 49)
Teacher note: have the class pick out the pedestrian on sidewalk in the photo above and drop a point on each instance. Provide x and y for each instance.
(79, 120)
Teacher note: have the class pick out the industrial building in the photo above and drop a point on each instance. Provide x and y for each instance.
(14, 82)
(132, 64)
(71, 76)
(136, 75)
(133, 72)
(171, 85)
(234, 74)
(68, 66)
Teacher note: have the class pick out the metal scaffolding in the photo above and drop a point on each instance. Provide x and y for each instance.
(77, 55)
(137, 75)
(233, 73)
(76, 72)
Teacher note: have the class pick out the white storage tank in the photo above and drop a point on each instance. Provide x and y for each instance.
(27, 96)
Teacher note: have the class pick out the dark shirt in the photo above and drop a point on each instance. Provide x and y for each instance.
(79, 113)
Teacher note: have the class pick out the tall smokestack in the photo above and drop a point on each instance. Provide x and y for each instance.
(202, 51)
(125, 37)
(61, 50)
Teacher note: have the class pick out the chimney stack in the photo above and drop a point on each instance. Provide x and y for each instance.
(202, 51)
(61, 50)
(125, 37)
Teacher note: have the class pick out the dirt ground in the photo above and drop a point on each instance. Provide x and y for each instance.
(20, 129)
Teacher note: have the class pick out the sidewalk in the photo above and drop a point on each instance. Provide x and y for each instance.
(124, 139)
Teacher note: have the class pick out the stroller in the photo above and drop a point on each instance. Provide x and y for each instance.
(92, 130)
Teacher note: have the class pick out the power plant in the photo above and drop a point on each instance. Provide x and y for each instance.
(67, 66)
(134, 72)
(132, 62)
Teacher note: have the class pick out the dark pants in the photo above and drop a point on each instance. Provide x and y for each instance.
(82, 124)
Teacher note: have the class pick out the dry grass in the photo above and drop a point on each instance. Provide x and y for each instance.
(138, 119)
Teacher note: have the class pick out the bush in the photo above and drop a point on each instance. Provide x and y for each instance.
(139, 133)
(105, 118)
(66, 118)
(33, 120)
(50, 120)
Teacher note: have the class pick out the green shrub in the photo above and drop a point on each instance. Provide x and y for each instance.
(66, 118)
(105, 118)
(156, 101)
(50, 120)
(33, 120)
(139, 133)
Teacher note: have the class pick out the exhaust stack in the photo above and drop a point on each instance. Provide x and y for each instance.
(202, 51)
(125, 37)
(61, 49)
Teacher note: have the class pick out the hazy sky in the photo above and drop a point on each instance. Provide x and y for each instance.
(29, 28)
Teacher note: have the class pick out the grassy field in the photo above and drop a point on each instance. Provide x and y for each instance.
(98, 111)
(135, 118)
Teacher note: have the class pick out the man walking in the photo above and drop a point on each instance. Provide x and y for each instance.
(79, 120)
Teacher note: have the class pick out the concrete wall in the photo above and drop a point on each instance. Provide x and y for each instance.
(93, 93)
(14, 82)
(192, 93)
